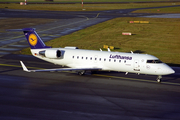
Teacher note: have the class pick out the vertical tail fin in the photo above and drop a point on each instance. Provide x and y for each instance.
(33, 39)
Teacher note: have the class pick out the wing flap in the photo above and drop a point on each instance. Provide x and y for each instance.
(56, 69)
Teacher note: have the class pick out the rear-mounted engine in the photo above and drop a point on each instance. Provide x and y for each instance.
(50, 53)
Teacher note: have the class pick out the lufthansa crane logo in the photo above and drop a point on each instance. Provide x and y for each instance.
(33, 39)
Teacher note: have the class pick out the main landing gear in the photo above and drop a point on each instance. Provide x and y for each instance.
(159, 78)
(81, 72)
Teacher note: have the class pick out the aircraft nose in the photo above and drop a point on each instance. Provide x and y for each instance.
(169, 71)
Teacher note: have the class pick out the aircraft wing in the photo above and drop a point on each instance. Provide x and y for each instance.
(57, 69)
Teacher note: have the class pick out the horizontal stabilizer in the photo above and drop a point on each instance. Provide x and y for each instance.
(15, 30)
(57, 69)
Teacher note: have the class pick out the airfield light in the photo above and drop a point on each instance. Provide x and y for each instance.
(25, 2)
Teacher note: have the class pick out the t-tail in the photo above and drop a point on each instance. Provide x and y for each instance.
(33, 39)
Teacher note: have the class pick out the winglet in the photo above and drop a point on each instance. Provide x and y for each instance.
(24, 67)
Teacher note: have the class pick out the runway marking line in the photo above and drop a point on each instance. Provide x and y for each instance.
(71, 23)
(18, 66)
(97, 15)
(63, 25)
(107, 76)
(49, 29)
(134, 79)
(59, 26)
(124, 78)
(13, 38)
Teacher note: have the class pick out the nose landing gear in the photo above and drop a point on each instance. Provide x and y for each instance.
(159, 78)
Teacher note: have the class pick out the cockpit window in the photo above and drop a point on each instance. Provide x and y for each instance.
(154, 61)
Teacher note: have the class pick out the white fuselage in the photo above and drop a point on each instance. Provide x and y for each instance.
(109, 61)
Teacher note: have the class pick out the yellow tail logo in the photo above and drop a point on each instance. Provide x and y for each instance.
(33, 39)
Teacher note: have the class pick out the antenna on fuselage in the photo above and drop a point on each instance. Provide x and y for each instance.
(108, 50)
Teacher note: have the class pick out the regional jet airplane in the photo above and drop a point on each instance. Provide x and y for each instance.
(81, 60)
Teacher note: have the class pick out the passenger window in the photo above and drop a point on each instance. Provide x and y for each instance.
(104, 59)
(82, 57)
(77, 57)
(91, 58)
(72, 56)
(114, 60)
(109, 60)
(119, 60)
(99, 59)
(86, 58)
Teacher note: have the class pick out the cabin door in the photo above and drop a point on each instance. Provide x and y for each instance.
(136, 65)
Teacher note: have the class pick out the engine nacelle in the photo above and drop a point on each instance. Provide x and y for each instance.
(50, 53)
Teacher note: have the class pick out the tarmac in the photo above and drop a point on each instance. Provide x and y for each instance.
(66, 95)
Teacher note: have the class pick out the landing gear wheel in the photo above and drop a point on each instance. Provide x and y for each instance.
(159, 79)
(81, 72)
